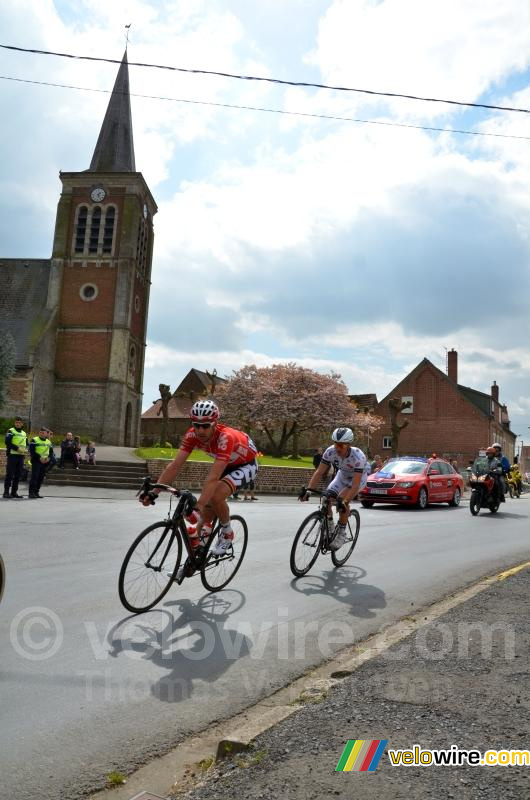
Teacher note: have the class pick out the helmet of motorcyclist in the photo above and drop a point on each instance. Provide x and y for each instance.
(204, 411)
(496, 446)
(490, 451)
(342, 436)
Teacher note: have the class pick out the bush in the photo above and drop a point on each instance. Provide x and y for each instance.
(167, 445)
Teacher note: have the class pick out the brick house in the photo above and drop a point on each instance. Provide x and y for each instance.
(79, 319)
(444, 417)
(194, 386)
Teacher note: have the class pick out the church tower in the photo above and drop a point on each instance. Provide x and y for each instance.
(100, 278)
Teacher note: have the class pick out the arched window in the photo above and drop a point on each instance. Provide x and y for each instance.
(108, 230)
(95, 225)
(142, 245)
(80, 231)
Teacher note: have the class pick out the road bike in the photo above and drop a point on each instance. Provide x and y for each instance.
(316, 533)
(152, 562)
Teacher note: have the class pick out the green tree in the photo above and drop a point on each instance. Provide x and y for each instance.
(8, 354)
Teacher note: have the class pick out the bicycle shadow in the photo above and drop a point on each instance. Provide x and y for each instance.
(364, 600)
(191, 644)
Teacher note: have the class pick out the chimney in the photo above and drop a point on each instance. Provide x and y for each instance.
(495, 391)
(452, 365)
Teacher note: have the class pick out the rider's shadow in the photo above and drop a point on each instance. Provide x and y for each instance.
(193, 645)
(343, 584)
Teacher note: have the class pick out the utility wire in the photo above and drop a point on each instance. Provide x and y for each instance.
(269, 80)
(273, 110)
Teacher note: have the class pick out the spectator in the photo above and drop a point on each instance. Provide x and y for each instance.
(376, 464)
(249, 491)
(77, 453)
(90, 453)
(40, 448)
(68, 451)
(15, 441)
(317, 457)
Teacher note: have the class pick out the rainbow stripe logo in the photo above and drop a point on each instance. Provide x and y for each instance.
(361, 755)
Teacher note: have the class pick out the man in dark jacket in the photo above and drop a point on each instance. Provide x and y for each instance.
(16, 441)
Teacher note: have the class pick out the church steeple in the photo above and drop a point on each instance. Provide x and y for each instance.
(115, 148)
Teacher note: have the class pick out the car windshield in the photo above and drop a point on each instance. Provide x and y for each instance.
(404, 467)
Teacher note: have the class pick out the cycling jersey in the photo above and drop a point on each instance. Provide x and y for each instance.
(354, 461)
(227, 444)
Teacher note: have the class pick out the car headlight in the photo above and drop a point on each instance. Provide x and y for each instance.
(405, 484)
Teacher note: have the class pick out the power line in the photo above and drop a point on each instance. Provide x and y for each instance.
(274, 110)
(269, 80)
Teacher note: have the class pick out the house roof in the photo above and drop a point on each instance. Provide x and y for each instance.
(203, 379)
(115, 147)
(23, 299)
(178, 408)
(364, 402)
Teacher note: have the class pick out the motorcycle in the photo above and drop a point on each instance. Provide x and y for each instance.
(483, 493)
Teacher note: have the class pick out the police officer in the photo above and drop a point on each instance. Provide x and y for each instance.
(16, 441)
(40, 449)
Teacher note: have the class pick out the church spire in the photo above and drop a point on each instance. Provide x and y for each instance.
(115, 148)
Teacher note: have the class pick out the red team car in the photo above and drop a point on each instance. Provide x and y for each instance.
(414, 481)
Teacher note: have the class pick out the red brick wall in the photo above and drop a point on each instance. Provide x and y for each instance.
(82, 354)
(270, 480)
(74, 310)
(138, 317)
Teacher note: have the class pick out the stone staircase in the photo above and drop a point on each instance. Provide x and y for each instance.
(103, 475)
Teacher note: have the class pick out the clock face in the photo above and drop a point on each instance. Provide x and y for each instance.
(98, 194)
(145, 210)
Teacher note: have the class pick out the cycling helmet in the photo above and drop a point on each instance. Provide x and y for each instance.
(204, 411)
(342, 436)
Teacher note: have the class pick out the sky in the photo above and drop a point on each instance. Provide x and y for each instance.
(347, 246)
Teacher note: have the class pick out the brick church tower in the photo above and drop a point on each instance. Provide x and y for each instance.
(99, 282)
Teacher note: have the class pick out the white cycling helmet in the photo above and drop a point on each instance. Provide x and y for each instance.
(204, 411)
(342, 436)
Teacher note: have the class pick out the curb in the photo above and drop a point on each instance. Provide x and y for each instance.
(182, 765)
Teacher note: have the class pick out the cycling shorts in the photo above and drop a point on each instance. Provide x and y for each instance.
(339, 483)
(240, 477)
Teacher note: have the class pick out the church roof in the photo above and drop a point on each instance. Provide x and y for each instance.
(23, 311)
(115, 147)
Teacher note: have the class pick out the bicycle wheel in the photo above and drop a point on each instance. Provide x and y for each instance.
(150, 567)
(306, 545)
(340, 556)
(218, 571)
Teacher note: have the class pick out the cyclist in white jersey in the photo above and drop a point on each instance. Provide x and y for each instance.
(351, 473)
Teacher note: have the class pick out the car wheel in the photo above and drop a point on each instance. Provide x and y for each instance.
(455, 501)
(423, 498)
(367, 503)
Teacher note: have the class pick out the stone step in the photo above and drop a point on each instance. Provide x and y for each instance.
(132, 487)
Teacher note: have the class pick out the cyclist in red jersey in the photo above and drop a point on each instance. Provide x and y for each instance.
(235, 466)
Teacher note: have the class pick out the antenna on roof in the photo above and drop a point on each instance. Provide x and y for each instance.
(127, 34)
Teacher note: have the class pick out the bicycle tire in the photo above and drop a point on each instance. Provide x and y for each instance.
(218, 571)
(137, 578)
(348, 546)
(309, 536)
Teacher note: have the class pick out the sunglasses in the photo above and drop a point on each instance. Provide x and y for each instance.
(202, 425)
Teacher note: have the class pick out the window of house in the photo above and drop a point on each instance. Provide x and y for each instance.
(407, 399)
(108, 229)
(387, 442)
(80, 230)
(95, 225)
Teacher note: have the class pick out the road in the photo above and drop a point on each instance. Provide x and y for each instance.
(87, 688)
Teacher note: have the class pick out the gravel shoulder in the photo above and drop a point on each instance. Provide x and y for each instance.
(463, 680)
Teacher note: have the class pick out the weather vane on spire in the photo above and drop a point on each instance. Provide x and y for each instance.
(127, 35)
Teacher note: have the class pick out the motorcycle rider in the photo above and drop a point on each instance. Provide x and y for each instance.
(505, 464)
(491, 465)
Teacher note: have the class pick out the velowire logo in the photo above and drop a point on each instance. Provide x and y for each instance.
(361, 755)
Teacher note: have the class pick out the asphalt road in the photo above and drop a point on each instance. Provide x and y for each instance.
(87, 688)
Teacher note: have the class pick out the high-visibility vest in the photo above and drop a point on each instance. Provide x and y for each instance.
(19, 438)
(42, 446)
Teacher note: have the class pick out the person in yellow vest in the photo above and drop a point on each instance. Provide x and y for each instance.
(40, 449)
(16, 442)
